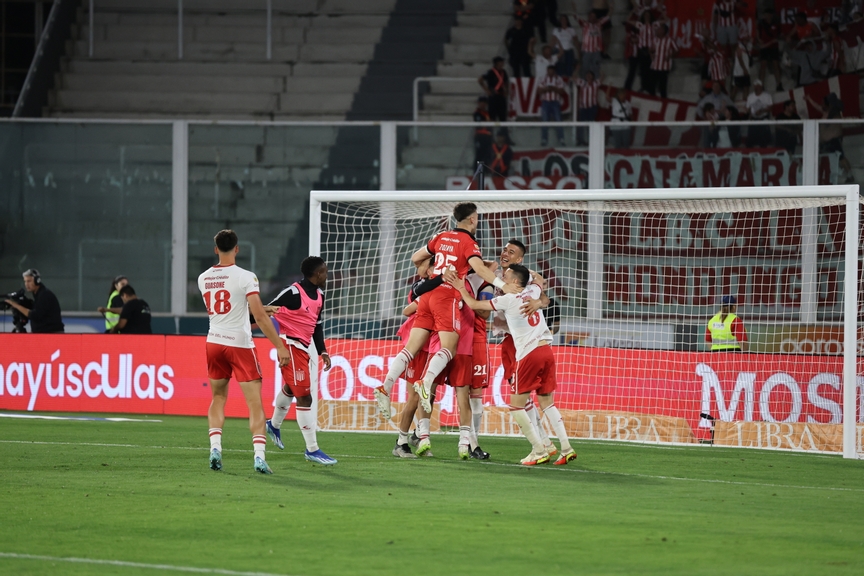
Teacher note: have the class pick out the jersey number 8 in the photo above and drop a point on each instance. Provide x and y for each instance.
(220, 304)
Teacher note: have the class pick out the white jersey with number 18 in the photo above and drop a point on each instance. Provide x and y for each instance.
(225, 289)
(527, 332)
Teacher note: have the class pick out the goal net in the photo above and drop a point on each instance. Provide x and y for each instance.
(637, 279)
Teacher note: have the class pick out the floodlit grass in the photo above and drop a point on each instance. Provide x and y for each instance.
(141, 492)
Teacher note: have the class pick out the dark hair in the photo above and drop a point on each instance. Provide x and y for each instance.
(708, 107)
(801, 15)
(566, 19)
(226, 240)
(127, 290)
(519, 245)
(114, 283)
(310, 264)
(522, 274)
(497, 59)
(788, 102)
(464, 210)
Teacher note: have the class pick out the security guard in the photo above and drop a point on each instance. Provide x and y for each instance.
(115, 303)
(725, 330)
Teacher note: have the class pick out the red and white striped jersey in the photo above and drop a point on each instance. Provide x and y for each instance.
(587, 92)
(555, 82)
(592, 35)
(837, 53)
(718, 69)
(663, 50)
(646, 34)
(724, 10)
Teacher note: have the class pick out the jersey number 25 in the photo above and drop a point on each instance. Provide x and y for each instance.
(442, 262)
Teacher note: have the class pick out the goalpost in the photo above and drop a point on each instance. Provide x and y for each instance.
(635, 275)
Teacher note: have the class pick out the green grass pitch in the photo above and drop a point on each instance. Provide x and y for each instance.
(139, 498)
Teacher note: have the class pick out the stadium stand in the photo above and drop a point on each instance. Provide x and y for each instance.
(320, 51)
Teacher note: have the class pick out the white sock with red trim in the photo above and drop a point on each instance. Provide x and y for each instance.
(259, 442)
(437, 364)
(557, 422)
(216, 439)
(307, 424)
(534, 417)
(521, 418)
(283, 404)
(465, 436)
(399, 365)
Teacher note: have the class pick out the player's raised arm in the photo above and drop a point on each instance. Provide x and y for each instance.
(419, 257)
(264, 324)
(451, 277)
(488, 275)
(533, 304)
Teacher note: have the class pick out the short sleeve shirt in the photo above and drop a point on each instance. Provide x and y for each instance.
(453, 248)
(224, 289)
(136, 312)
(527, 332)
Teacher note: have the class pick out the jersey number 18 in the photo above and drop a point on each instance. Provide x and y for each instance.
(218, 302)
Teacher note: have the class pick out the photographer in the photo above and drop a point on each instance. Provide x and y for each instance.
(135, 316)
(45, 315)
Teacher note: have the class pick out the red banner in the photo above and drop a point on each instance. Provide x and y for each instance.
(525, 102)
(671, 168)
(167, 375)
(786, 10)
(844, 86)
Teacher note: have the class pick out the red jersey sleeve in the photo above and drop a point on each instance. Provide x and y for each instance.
(738, 330)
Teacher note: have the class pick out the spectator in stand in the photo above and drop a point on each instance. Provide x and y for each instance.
(502, 154)
(741, 69)
(601, 9)
(759, 108)
(522, 10)
(543, 60)
(837, 51)
(768, 38)
(622, 113)
(725, 25)
(516, 40)
(662, 52)
(588, 106)
(718, 69)
(731, 133)
(551, 92)
(482, 134)
(831, 135)
(631, 53)
(711, 133)
(592, 43)
(809, 61)
(538, 20)
(802, 30)
(717, 98)
(646, 30)
(564, 35)
(786, 135)
(496, 86)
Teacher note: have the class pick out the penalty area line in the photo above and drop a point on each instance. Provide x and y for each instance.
(124, 564)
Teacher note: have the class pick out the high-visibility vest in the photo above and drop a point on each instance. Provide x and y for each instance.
(722, 337)
(111, 318)
(498, 162)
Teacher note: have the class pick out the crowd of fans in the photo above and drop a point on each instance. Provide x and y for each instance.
(734, 66)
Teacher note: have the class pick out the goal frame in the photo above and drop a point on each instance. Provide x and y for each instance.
(595, 222)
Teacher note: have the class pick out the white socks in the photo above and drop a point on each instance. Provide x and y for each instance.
(476, 413)
(527, 428)
(283, 404)
(399, 365)
(306, 422)
(423, 428)
(534, 417)
(259, 442)
(216, 439)
(557, 422)
(436, 365)
(465, 437)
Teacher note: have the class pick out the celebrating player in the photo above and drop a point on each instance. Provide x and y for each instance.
(535, 363)
(230, 294)
(437, 312)
(514, 253)
(297, 310)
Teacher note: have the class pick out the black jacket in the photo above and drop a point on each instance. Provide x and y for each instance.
(45, 314)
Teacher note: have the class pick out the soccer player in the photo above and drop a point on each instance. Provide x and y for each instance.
(297, 310)
(437, 312)
(230, 294)
(514, 253)
(535, 363)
